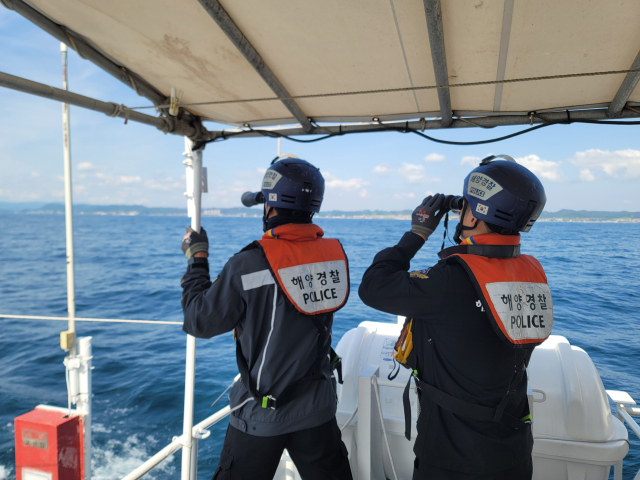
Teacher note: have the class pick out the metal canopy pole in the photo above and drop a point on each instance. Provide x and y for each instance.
(78, 361)
(178, 127)
(224, 21)
(193, 164)
(505, 36)
(141, 86)
(436, 41)
(629, 84)
(68, 203)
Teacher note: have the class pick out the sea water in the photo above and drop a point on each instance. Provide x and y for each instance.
(130, 267)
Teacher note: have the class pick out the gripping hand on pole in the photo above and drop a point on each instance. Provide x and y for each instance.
(426, 217)
(195, 244)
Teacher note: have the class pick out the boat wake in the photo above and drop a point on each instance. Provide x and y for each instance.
(115, 458)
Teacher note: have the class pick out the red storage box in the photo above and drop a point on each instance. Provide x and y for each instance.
(49, 446)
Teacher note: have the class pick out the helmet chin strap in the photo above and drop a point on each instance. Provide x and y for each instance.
(265, 214)
(460, 227)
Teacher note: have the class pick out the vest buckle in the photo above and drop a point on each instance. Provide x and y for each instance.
(269, 402)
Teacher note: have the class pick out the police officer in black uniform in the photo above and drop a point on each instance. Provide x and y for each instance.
(467, 427)
(286, 398)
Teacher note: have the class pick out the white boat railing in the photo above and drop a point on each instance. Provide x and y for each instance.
(626, 409)
(199, 431)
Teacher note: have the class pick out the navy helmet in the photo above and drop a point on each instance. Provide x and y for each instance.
(503, 193)
(290, 183)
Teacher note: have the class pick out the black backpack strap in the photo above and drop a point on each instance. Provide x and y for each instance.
(269, 401)
(473, 410)
(336, 364)
(406, 405)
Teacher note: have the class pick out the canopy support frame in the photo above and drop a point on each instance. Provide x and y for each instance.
(86, 51)
(166, 124)
(505, 37)
(433, 12)
(484, 122)
(198, 133)
(231, 30)
(627, 87)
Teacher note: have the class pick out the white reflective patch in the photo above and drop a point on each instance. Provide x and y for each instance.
(525, 308)
(314, 287)
(270, 179)
(257, 279)
(481, 186)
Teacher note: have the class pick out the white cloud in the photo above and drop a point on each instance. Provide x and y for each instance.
(434, 157)
(237, 187)
(363, 193)
(348, 185)
(86, 166)
(617, 164)
(586, 175)
(261, 171)
(124, 179)
(413, 173)
(404, 195)
(164, 184)
(382, 168)
(470, 160)
(35, 174)
(542, 168)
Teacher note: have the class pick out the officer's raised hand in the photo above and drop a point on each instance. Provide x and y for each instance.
(426, 217)
(194, 242)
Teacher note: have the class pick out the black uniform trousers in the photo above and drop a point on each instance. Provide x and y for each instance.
(429, 472)
(318, 453)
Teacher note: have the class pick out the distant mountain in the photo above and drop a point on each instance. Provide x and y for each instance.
(83, 209)
(589, 215)
(365, 214)
(19, 206)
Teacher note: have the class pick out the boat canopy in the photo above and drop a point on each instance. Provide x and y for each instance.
(259, 63)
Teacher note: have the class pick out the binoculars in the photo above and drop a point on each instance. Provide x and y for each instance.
(249, 199)
(454, 204)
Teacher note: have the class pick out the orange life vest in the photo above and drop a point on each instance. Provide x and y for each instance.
(512, 287)
(312, 271)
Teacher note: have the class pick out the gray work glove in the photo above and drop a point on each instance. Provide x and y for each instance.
(194, 242)
(426, 217)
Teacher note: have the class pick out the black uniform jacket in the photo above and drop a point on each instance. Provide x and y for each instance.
(458, 352)
(278, 343)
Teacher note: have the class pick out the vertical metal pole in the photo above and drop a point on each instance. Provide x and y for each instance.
(194, 459)
(368, 437)
(279, 145)
(193, 164)
(68, 202)
(83, 404)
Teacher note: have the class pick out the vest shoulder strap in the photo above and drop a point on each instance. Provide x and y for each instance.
(489, 251)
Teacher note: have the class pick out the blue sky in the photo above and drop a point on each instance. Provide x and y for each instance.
(591, 167)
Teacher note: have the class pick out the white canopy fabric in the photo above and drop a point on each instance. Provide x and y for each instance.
(337, 46)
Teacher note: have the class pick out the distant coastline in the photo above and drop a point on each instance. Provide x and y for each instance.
(582, 216)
